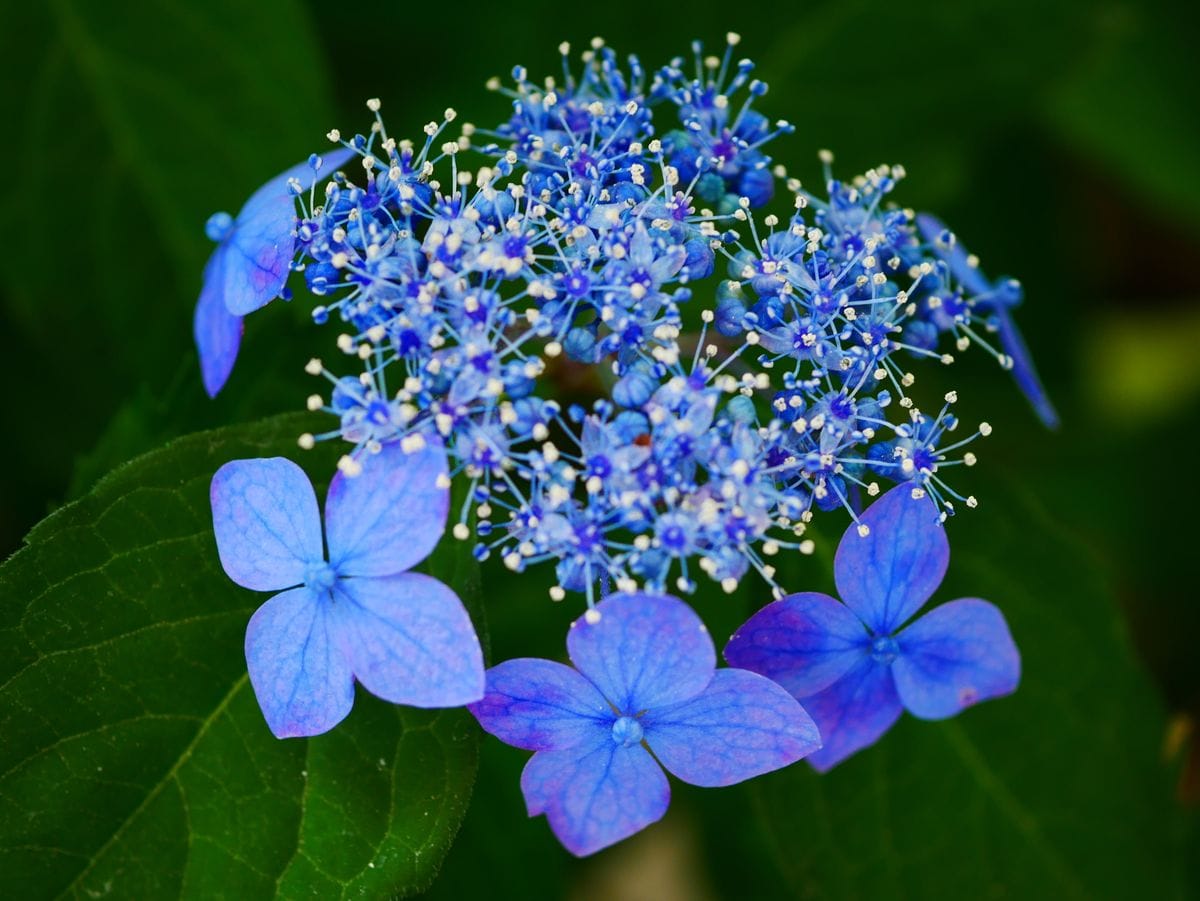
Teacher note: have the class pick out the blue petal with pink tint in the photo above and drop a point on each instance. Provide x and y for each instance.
(954, 656)
(856, 666)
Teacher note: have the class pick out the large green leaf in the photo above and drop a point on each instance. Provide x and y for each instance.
(135, 760)
(1126, 106)
(1056, 792)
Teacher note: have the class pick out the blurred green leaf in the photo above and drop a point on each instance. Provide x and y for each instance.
(1056, 792)
(1126, 102)
(130, 123)
(135, 761)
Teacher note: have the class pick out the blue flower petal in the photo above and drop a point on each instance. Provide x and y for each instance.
(540, 705)
(390, 516)
(805, 642)
(853, 712)
(259, 249)
(596, 795)
(409, 640)
(953, 656)
(886, 575)
(643, 651)
(218, 333)
(266, 522)
(739, 727)
(299, 674)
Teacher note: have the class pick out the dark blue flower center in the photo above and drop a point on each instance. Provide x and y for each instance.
(884, 649)
(626, 732)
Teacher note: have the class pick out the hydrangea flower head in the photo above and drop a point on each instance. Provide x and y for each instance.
(250, 266)
(644, 691)
(471, 268)
(855, 665)
(356, 612)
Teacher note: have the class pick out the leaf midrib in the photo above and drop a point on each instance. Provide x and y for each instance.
(167, 778)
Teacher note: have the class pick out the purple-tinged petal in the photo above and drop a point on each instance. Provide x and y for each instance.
(300, 677)
(409, 640)
(540, 705)
(953, 656)
(643, 651)
(259, 248)
(741, 726)
(258, 258)
(266, 522)
(853, 712)
(886, 575)
(594, 796)
(391, 515)
(805, 642)
(218, 333)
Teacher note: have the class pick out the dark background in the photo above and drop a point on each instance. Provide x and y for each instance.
(1060, 140)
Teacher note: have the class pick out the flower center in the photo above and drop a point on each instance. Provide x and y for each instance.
(626, 732)
(884, 649)
(319, 576)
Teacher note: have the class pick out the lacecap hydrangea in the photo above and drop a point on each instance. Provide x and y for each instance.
(751, 345)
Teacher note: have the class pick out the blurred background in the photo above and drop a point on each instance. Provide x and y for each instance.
(1061, 142)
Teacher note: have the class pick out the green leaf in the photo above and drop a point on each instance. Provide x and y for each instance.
(135, 761)
(1058, 791)
(130, 123)
(1128, 106)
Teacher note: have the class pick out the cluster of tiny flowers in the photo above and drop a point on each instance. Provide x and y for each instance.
(579, 236)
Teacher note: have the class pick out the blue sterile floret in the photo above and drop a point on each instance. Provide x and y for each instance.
(348, 609)
(642, 681)
(856, 664)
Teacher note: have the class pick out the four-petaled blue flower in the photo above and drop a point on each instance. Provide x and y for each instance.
(644, 682)
(356, 613)
(249, 268)
(852, 665)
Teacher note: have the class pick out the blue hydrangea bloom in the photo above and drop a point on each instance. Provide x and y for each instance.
(250, 266)
(356, 613)
(856, 665)
(457, 267)
(644, 683)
